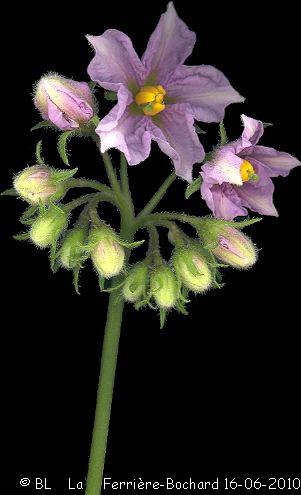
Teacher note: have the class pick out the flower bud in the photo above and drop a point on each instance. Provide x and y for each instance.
(35, 185)
(163, 286)
(46, 228)
(66, 103)
(234, 248)
(72, 248)
(192, 269)
(135, 283)
(107, 253)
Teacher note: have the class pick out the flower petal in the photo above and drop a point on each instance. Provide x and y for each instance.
(205, 89)
(225, 166)
(175, 134)
(110, 121)
(253, 130)
(258, 195)
(169, 45)
(115, 61)
(58, 118)
(222, 200)
(276, 162)
(131, 136)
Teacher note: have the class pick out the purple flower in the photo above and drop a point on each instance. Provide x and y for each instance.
(238, 176)
(64, 102)
(158, 97)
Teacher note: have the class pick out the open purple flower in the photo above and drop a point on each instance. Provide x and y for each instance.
(238, 176)
(158, 96)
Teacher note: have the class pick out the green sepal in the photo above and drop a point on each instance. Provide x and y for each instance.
(26, 218)
(42, 208)
(53, 254)
(62, 145)
(193, 187)
(198, 129)
(62, 175)
(21, 237)
(223, 139)
(45, 124)
(101, 282)
(144, 302)
(110, 95)
(39, 157)
(92, 85)
(243, 223)
(9, 192)
(267, 124)
(162, 317)
(130, 245)
(180, 307)
(56, 266)
(94, 121)
(76, 279)
(116, 287)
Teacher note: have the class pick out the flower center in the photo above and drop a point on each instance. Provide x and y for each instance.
(247, 172)
(151, 99)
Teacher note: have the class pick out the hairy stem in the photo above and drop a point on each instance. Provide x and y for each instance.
(106, 381)
(151, 205)
(93, 184)
(104, 395)
(125, 187)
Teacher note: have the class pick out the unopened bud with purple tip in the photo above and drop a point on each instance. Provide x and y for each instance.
(37, 185)
(66, 103)
(234, 248)
(106, 252)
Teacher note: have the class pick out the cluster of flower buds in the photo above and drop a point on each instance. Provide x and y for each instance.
(193, 267)
(41, 184)
(65, 103)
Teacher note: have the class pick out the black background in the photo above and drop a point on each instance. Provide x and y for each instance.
(214, 393)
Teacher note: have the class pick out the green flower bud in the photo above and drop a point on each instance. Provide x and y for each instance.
(234, 248)
(163, 286)
(192, 269)
(107, 254)
(72, 248)
(135, 283)
(47, 227)
(35, 184)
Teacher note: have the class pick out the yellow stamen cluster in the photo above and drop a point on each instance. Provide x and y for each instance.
(151, 99)
(247, 171)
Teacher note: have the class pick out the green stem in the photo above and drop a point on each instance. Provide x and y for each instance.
(94, 197)
(111, 174)
(124, 206)
(107, 378)
(151, 205)
(104, 395)
(93, 184)
(125, 187)
(160, 219)
(68, 207)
